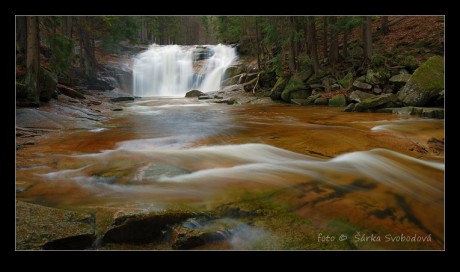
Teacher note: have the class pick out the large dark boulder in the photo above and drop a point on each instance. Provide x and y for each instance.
(194, 93)
(47, 84)
(425, 84)
(142, 228)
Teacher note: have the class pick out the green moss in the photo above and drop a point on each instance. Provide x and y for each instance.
(377, 61)
(280, 84)
(410, 63)
(346, 81)
(321, 101)
(338, 101)
(430, 76)
(294, 84)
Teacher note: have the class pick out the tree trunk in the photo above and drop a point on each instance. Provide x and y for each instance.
(292, 55)
(324, 36)
(313, 42)
(21, 34)
(258, 45)
(334, 49)
(367, 38)
(307, 34)
(384, 28)
(345, 44)
(33, 58)
(67, 26)
(86, 44)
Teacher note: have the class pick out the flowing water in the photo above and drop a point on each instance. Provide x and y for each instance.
(325, 166)
(298, 176)
(173, 70)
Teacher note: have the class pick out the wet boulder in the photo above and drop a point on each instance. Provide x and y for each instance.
(425, 84)
(40, 227)
(142, 228)
(194, 93)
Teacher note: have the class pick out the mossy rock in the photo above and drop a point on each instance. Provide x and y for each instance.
(275, 93)
(373, 102)
(338, 101)
(321, 101)
(295, 89)
(426, 83)
(346, 81)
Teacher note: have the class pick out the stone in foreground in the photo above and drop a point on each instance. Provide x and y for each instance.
(40, 227)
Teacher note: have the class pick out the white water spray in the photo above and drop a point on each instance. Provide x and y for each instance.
(172, 71)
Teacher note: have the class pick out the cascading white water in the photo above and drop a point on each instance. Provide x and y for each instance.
(169, 70)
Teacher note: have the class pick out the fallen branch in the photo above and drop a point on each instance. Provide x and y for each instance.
(70, 92)
(257, 82)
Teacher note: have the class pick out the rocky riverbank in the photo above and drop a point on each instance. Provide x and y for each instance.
(391, 90)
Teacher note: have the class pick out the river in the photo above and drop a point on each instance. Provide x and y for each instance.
(313, 171)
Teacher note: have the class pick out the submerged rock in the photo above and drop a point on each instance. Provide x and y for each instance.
(350, 107)
(40, 227)
(419, 111)
(300, 102)
(193, 233)
(143, 228)
(122, 98)
(204, 97)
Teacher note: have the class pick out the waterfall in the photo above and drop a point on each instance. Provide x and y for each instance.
(173, 70)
